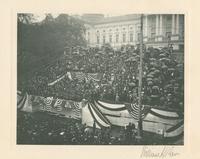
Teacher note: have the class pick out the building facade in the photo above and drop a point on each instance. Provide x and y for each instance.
(159, 30)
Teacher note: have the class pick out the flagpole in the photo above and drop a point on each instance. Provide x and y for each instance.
(139, 128)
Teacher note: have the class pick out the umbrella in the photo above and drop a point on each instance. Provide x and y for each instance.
(162, 55)
(156, 71)
(152, 69)
(152, 59)
(150, 75)
(150, 83)
(164, 66)
(76, 68)
(131, 59)
(165, 59)
(81, 68)
(134, 54)
(132, 84)
(110, 53)
(149, 79)
(155, 87)
(171, 69)
(156, 80)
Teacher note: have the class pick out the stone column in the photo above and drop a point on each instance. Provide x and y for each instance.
(146, 26)
(173, 24)
(161, 25)
(157, 25)
(177, 24)
(145, 38)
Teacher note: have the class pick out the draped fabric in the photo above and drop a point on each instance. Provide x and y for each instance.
(134, 111)
(24, 102)
(80, 76)
(21, 99)
(117, 107)
(76, 108)
(175, 131)
(97, 118)
(168, 123)
(166, 115)
(94, 76)
(67, 108)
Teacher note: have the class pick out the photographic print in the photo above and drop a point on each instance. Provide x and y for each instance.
(100, 79)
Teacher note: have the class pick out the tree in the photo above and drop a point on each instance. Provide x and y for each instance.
(41, 43)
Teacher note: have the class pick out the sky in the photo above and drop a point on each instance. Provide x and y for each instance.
(40, 16)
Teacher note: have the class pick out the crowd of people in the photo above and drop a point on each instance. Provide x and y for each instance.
(43, 128)
(163, 76)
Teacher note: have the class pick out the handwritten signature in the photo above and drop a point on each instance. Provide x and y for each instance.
(165, 152)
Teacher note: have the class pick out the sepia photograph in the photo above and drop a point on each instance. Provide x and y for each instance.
(100, 79)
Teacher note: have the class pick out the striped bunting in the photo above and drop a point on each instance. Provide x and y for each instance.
(114, 107)
(19, 93)
(100, 114)
(175, 132)
(21, 102)
(58, 105)
(134, 111)
(165, 113)
(164, 116)
(80, 76)
(96, 118)
(176, 127)
(93, 76)
(68, 105)
(27, 107)
(47, 103)
(76, 110)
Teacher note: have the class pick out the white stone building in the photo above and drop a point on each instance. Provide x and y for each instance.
(159, 30)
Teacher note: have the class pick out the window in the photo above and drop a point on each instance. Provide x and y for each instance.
(181, 47)
(138, 36)
(117, 38)
(88, 37)
(98, 40)
(168, 34)
(110, 38)
(153, 35)
(124, 38)
(104, 39)
(131, 37)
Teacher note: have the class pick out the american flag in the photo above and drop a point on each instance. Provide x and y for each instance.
(58, 104)
(93, 76)
(68, 105)
(134, 111)
(76, 110)
(80, 76)
(48, 101)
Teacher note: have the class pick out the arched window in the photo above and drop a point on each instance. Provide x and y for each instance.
(110, 38)
(131, 37)
(88, 37)
(117, 38)
(98, 40)
(124, 38)
(104, 39)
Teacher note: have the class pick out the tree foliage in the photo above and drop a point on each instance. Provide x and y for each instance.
(41, 43)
